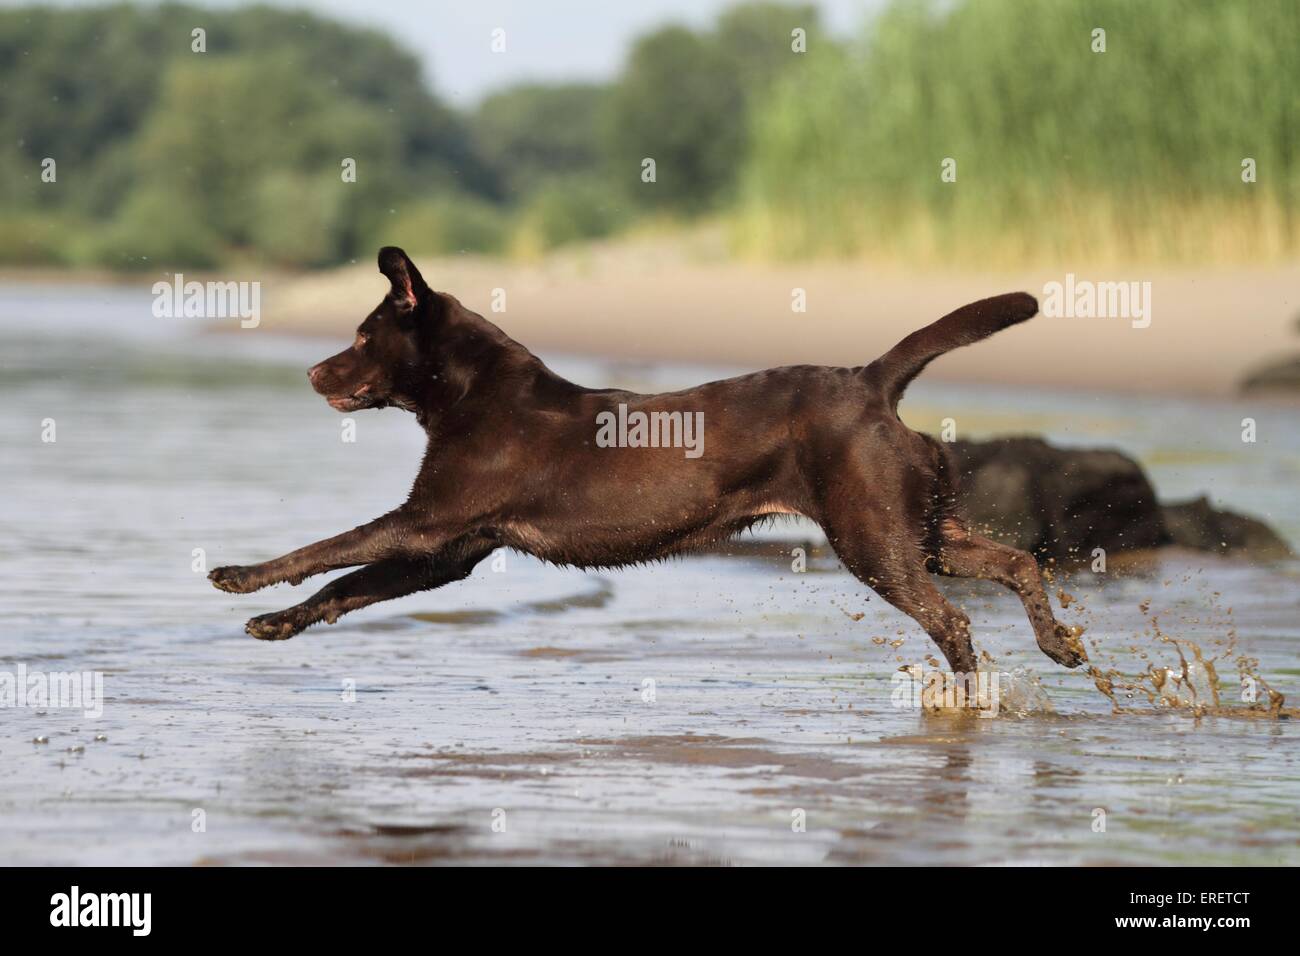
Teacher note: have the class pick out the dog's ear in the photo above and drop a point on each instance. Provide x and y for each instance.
(408, 286)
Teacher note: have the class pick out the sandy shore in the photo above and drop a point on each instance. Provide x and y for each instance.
(669, 301)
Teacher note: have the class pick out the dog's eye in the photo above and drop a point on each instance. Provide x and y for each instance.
(362, 339)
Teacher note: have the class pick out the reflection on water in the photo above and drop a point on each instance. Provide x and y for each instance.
(702, 711)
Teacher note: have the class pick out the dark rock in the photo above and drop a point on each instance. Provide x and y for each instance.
(1281, 376)
(1194, 524)
(1058, 502)
(1061, 503)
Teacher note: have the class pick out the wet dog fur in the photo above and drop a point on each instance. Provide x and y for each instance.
(513, 461)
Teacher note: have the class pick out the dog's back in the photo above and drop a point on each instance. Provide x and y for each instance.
(520, 457)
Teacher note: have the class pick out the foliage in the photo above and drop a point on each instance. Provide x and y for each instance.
(171, 158)
(1133, 151)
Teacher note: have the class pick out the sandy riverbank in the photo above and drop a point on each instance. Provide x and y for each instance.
(683, 299)
(668, 301)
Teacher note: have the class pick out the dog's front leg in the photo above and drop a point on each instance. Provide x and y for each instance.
(397, 534)
(384, 581)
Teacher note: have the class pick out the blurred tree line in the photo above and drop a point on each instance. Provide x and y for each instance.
(168, 157)
(164, 155)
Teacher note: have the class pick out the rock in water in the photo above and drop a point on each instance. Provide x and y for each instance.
(1282, 376)
(1194, 524)
(1058, 502)
(1062, 503)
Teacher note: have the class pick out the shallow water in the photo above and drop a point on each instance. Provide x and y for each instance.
(690, 712)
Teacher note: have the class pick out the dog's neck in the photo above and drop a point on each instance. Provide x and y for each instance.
(469, 356)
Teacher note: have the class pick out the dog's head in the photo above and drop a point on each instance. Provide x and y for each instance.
(385, 363)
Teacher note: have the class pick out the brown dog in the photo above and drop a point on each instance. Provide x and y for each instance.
(521, 458)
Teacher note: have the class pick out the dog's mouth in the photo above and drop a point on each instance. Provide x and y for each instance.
(355, 401)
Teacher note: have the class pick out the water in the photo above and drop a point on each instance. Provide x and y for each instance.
(691, 712)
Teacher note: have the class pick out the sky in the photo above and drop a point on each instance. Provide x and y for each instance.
(549, 40)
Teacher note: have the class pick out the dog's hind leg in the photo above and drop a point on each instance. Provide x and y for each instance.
(966, 555)
(381, 581)
(892, 565)
(916, 596)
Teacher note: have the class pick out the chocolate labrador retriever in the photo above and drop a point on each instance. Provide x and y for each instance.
(521, 458)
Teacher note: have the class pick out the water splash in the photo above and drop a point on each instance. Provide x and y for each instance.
(1192, 685)
(995, 693)
(1021, 693)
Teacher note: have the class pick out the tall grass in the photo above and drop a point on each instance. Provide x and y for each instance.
(1061, 151)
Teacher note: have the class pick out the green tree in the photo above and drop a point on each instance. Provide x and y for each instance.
(215, 139)
(685, 98)
(756, 39)
(134, 118)
(531, 134)
(679, 103)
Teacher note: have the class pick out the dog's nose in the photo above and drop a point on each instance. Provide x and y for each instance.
(313, 373)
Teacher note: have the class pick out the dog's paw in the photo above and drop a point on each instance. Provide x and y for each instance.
(234, 578)
(1066, 648)
(272, 627)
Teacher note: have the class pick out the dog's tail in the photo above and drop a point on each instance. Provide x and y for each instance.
(897, 367)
